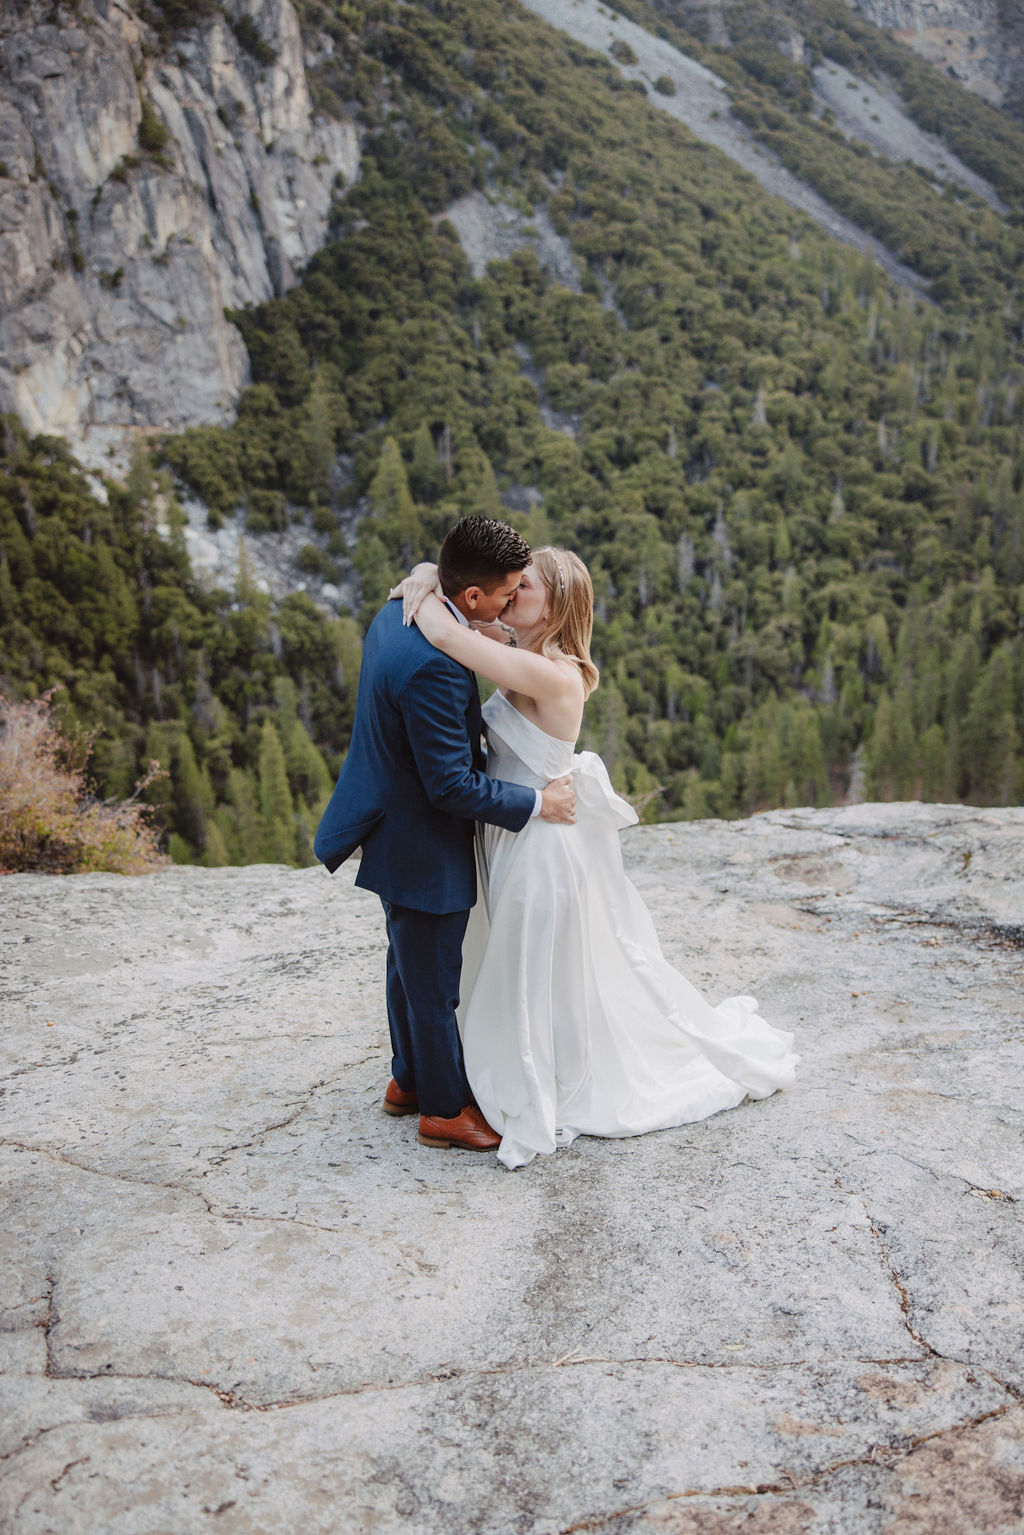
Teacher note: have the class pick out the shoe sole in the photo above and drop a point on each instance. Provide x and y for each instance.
(398, 1108)
(430, 1140)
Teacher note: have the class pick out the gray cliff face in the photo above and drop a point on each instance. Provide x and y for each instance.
(981, 42)
(116, 264)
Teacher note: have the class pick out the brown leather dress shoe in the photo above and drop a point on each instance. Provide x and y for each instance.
(469, 1129)
(398, 1101)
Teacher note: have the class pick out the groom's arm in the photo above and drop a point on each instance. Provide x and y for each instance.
(433, 705)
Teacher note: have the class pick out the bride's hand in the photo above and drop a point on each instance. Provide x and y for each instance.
(418, 584)
(435, 620)
(496, 630)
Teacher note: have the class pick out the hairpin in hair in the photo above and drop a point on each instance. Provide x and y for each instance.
(561, 578)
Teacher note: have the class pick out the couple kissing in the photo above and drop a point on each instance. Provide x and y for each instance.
(528, 1000)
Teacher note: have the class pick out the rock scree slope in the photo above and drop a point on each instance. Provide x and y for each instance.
(238, 1297)
(701, 102)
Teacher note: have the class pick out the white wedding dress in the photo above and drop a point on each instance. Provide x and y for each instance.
(574, 1023)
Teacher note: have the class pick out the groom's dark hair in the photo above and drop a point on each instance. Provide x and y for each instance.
(480, 551)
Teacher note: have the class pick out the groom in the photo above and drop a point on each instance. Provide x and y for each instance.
(409, 792)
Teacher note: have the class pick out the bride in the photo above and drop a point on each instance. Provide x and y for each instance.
(574, 1023)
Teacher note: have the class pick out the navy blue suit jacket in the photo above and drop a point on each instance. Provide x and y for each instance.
(413, 782)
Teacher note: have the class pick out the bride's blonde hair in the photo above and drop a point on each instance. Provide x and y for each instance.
(568, 633)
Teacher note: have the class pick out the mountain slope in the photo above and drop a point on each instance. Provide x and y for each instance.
(700, 98)
(798, 487)
(800, 492)
(226, 693)
(772, 45)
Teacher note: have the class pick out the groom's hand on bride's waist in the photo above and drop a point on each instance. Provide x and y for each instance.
(558, 801)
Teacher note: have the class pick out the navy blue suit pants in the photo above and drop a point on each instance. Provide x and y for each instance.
(423, 975)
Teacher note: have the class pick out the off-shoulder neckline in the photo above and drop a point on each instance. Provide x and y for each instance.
(532, 723)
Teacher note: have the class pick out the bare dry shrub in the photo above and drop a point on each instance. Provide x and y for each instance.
(49, 821)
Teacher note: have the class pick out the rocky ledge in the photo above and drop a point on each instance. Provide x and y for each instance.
(236, 1296)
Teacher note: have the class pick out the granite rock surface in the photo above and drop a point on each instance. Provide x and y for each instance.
(978, 42)
(118, 257)
(235, 1296)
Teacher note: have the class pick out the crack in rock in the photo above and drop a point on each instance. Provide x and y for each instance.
(254, 1140)
(47, 1322)
(233, 1217)
(977, 1189)
(102, 1172)
(83, 1460)
(232, 1399)
(886, 1456)
(877, 1232)
(53, 1428)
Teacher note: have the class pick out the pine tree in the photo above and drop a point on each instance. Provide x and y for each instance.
(538, 528)
(276, 808)
(159, 748)
(990, 740)
(396, 522)
(792, 593)
(118, 767)
(426, 473)
(906, 761)
(193, 795)
(317, 434)
(782, 547)
(6, 591)
(961, 677)
(307, 768)
(486, 500)
(695, 798)
(613, 746)
(932, 755)
(306, 821)
(882, 751)
(247, 830)
(377, 570)
(809, 754)
(763, 768)
(644, 792)
(225, 819)
(308, 774)
(878, 646)
(348, 650)
(215, 850)
(1010, 542)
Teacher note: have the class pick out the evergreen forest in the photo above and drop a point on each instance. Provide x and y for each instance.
(799, 488)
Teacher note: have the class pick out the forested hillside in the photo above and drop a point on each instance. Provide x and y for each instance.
(97, 600)
(799, 489)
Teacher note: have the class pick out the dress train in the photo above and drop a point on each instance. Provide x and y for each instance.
(574, 1022)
